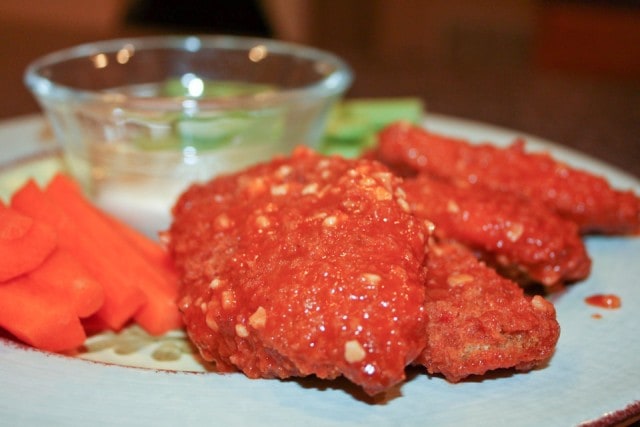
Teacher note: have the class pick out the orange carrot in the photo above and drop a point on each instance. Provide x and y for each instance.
(159, 313)
(122, 298)
(24, 243)
(34, 316)
(159, 258)
(153, 251)
(63, 274)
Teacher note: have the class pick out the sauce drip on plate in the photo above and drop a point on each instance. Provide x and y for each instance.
(609, 301)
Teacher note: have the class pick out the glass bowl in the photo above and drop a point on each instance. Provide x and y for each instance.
(140, 119)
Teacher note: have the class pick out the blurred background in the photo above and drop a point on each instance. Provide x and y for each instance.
(564, 70)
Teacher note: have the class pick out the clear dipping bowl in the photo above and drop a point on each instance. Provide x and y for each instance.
(140, 119)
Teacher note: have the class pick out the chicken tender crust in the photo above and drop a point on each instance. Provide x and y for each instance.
(304, 265)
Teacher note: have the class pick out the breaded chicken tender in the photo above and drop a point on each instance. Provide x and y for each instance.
(478, 321)
(307, 265)
(523, 240)
(576, 195)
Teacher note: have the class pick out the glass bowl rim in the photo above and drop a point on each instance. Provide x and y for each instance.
(334, 83)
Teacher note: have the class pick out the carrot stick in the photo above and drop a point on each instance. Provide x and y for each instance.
(38, 318)
(159, 258)
(24, 243)
(159, 314)
(63, 274)
(122, 298)
(152, 251)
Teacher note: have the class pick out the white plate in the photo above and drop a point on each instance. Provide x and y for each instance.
(593, 376)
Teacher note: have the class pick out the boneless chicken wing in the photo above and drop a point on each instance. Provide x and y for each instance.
(576, 195)
(522, 239)
(304, 265)
(478, 321)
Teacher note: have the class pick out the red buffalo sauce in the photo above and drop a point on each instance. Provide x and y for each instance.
(609, 301)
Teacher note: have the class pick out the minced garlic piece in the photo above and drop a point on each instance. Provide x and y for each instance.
(330, 221)
(371, 278)
(353, 351)
(215, 283)
(514, 231)
(222, 221)
(241, 330)
(258, 319)
(262, 221)
(228, 300)
(459, 279)
(452, 207)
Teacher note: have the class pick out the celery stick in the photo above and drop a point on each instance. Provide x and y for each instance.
(380, 112)
(353, 124)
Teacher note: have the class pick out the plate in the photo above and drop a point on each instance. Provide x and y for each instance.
(593, 377)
